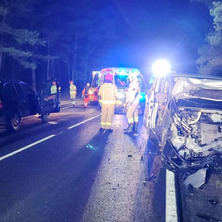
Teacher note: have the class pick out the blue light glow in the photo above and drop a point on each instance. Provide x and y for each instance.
(142, 96)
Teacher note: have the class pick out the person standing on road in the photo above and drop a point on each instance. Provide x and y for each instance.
(132, 104)
(53, 88)
(72, 92)
(85, 94)
(107, 94)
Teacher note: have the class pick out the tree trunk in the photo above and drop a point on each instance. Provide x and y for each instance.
(74, 65)
(13, 68)
(67, 65)
(33, 79)
(48, 62)
(53, 68)
(47, 72)
(2, 67)
(86, 65)
(1, 44)
(1, 61)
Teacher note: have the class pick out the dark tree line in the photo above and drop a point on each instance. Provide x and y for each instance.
(210, 60)
(59, 39)
(67, 39)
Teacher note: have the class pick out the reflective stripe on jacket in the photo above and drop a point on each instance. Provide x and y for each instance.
(107, 102)
(108, 93)
(72, 89)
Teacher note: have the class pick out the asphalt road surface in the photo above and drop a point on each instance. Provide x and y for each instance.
(66, 170)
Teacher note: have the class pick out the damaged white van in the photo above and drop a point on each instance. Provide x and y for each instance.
(183, 116)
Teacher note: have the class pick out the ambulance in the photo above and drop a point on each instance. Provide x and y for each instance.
(121, 80)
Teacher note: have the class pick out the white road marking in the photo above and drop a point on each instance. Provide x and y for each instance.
(26, 147)
(171, 206)
(42, 140)
(77, 124)
(69, 105)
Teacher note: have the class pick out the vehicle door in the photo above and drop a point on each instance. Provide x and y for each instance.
(31, 99)
(50, 99)
(143, 92)
(93, 92)
(12, 100)
(157, 98)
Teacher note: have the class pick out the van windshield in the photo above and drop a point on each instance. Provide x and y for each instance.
(121, 81)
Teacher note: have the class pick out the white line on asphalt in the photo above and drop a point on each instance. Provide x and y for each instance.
(26, 147)
(42, 140)
(83, 122)
(171, 206)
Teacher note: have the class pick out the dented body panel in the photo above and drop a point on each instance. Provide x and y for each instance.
(184, 117)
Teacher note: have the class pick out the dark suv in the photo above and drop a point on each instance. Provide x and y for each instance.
(18, 100)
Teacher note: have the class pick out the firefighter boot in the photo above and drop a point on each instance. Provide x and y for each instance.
(129, 129)
(135, 130)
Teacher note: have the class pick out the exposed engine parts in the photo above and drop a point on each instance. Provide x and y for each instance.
(188, 123)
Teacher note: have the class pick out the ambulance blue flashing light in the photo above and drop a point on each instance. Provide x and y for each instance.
(142, 96)
(127, 71)
(122, 72)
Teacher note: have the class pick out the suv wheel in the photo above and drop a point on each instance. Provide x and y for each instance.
(57, 109)
(44, 118)
(13, 122)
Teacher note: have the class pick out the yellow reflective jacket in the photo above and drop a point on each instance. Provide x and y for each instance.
(108, 93)
(72, 89)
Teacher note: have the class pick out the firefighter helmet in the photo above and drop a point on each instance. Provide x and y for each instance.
(109, 77)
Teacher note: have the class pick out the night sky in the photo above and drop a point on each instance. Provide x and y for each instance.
(171, 29)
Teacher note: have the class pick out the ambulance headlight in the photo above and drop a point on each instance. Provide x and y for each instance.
(161, 68)
(120, 95)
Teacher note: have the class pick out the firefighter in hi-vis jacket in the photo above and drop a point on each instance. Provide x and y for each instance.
(132, 103)
(72, 92)
(107, 93)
